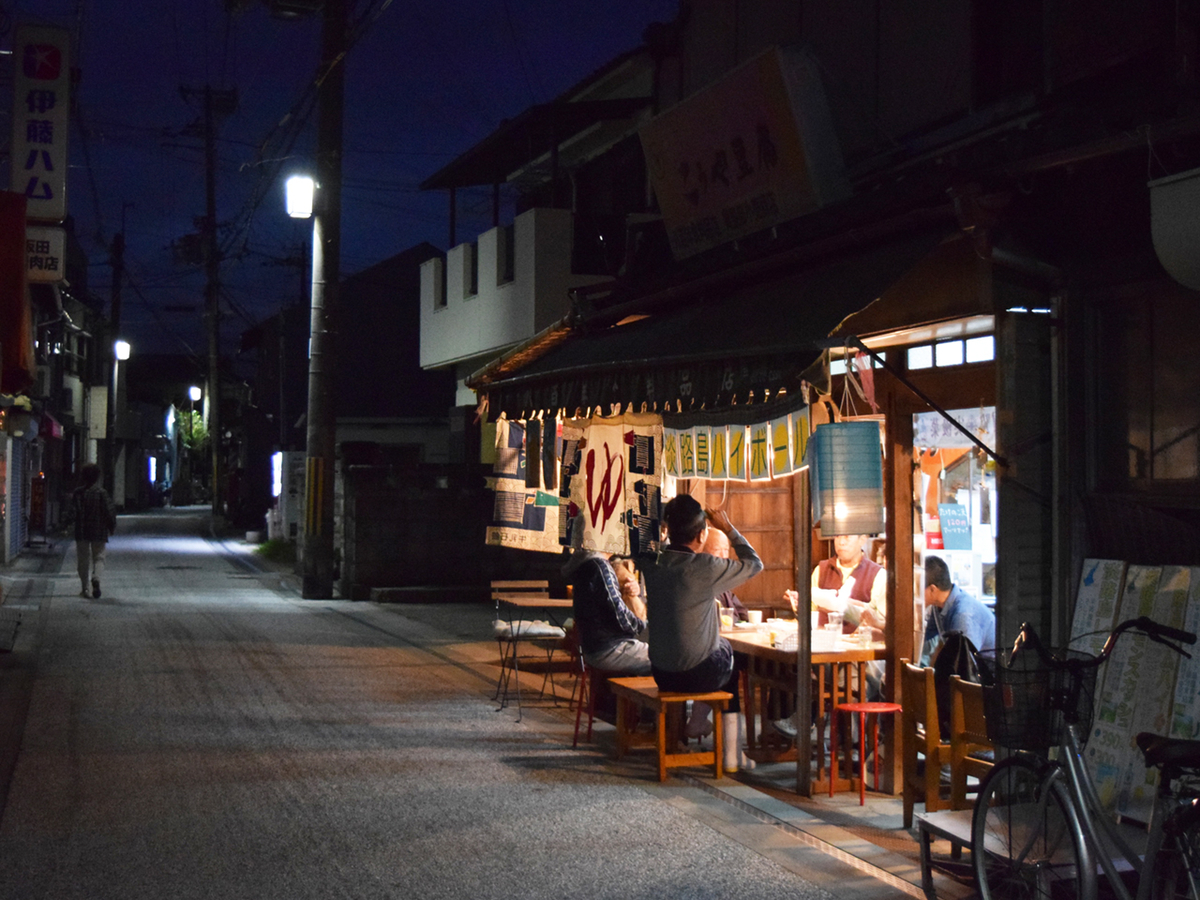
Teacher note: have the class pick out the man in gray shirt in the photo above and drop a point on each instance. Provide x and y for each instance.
(687, 652)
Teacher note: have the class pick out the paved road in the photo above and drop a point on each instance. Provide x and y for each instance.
(201, 731)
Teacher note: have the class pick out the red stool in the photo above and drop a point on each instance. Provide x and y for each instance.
(863, 710)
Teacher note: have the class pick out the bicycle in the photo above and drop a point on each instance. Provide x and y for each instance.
(1038, 829)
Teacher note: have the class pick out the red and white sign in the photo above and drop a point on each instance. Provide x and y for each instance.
(41, 115)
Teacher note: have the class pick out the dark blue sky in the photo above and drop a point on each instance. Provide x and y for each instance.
(424, 82)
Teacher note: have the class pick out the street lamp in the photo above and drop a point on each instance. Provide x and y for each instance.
(121, 351)
(194, 394)
(326, 211)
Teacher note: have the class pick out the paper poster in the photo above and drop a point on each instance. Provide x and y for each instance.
(1152, 711)
(956, 526)
(1185, 713)
(800, 430)
(523, 516)
(1109, 748)
(1096, 602)
(760, 452)
(687, 453)
(671, 452)
(781, 446)
(737, 453)
(719, 451)
(702, 437)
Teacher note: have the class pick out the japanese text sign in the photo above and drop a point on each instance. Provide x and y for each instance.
(750, 151)
(41, 108)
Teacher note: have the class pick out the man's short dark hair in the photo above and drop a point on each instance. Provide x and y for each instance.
(685, 519)
(89, 474)
(937, 573)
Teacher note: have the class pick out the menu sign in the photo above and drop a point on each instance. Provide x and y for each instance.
(956, 526)
(41, 108)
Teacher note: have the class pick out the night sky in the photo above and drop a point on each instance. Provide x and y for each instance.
(424, 82)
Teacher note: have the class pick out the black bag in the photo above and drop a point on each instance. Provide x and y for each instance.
(956, 656)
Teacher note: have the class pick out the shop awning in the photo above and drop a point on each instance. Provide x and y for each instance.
(717, 350)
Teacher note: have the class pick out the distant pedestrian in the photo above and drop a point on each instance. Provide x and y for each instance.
(95, 520)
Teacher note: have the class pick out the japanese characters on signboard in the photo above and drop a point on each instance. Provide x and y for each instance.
(41, 107)
(771, 448)
(45, 253)
(754, 149)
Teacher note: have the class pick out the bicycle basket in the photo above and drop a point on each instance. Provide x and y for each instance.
(1031, 702)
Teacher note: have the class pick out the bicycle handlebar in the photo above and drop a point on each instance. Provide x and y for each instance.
(1156, 631)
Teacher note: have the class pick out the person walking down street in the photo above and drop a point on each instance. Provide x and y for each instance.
(95, 520)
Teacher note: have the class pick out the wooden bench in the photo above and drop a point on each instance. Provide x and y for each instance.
(638, 693)
(948, 825)
(10, 621)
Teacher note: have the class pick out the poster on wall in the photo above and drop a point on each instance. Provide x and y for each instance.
(611, 484)
(524, 514)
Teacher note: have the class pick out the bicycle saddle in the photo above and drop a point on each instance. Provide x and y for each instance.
(1165, 751)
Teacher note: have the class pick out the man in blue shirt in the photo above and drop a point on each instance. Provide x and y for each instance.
(953, 609)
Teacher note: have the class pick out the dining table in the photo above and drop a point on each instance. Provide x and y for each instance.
(838, 673)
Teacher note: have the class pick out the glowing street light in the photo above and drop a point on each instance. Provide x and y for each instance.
(300, 191)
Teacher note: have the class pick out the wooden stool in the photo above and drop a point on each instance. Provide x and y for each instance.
(634, 694)
(863, 710)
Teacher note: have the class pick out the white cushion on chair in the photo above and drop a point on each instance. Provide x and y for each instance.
(522, 628)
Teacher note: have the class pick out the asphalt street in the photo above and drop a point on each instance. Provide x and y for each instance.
(200, 731)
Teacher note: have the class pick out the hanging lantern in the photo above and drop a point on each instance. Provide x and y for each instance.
(846, 478)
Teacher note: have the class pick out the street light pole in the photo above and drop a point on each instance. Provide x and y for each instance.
(317, 580)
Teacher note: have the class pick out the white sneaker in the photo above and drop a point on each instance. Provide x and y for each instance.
(787, 727)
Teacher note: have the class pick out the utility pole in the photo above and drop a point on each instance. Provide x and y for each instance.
(117, 258)
(217, 103)
(212, 296)
(317, 581)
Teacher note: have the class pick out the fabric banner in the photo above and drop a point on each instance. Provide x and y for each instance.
(611, 483)
(525, 516)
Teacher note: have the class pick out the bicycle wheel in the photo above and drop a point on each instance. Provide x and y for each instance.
(1023, 843)
(1177, 866)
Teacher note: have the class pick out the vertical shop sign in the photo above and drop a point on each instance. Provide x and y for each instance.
(41, 108)
(45, 254)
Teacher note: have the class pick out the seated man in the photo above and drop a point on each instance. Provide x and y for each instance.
(850, 584)
(611, 637)
(950, 608)
(854, 586)
(687, 651)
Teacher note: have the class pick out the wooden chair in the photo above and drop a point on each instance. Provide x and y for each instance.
(922, 779)
(968, 739)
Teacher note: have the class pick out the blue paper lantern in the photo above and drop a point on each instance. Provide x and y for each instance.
(846, 478)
